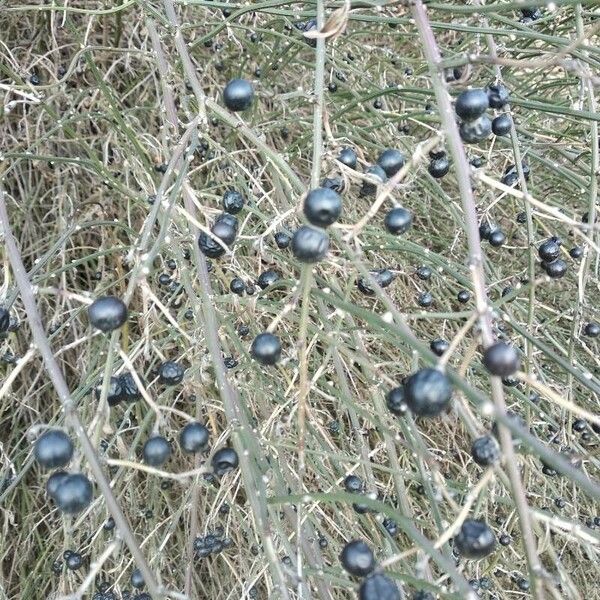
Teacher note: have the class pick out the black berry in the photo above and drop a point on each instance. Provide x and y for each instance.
(193, 437)
(485, 450)
(73, 493)
(472, 132)
(238, 95)
(171, 373)
(156, 451)
(267, 278)
(233, 202)
(107, 313)
(348, 157)
(391, 161)
(501, 359)
(395, 401)
(357, 558)
(53, 449)
(398, 220)
(502, 124)
(475, 539)
(498, 95)
(310, 245)
(471, 104)
(266, 349)
(378, 587)
(427, 392)
(224, 460)
(322, 206)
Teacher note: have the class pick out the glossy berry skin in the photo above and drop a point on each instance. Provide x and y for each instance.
(398, 220)
(555, 269)
(353, 484)
(237, 286)
(267, 278)
(137, 579)
(107, 313)
(395, 401)
(576, 252)
(549, 250)
(383, 277)
(472, 132)
(378, 587)
(502, 125)
(115, 391)
(53, 449)
(233, 202)
(439, 346)
(73, 494)
(129, 388)
(357, 558)
(156, 451)
(498, 95)
(463, 296)
(427, 392)
(485, 230)
(225, 228)
(171, 373)
(54, 481)
(282, 240)
(439, 167)
(425, 299)
(309, 245)
(322, 206)
(224, 460)
(591, 330)
(391, 161)
(208, 246)
(74, 561)
(238, 95)
(193, 438)
(266, 349)
(485, 450)
(497, 238)
(377, 176)
(348, 157)
(4, 320)
(475, 539)
(501, 359)
(471, 104)
(424, 273)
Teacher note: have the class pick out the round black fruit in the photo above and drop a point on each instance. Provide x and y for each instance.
(439, 346)
(237, 286)
(376, 176)
(225, 228)
(383, 278)
(498, 95)
(282, 240)
(425, 299)
(322, 206)
(310, 245)
(549, 250)
(497, 238)
(502, 124)
(439, 167)
(463, 296)
(238, 95)
(348, 157)
(107, 313)
(485, 450)
(475, 539)
(391, 161)
(224, 460)
(137, 579)
(555, 269)
(592, 329)
(471, 104)
(73, 494)
(157, 451)
(427, 392)
(54, 481)
(395, 401)
(209, 246)
(53, 449)
(357, 558)
(353, 484)
(233, 201)
(266, 349)
(378, 587)
(576, 252)
(267, 278)
(501, 359)
(171, 373)
(472, 132)
(193, 438)
(398, 220)
(74, 561)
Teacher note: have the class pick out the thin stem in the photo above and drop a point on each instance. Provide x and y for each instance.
(434, 59)
(69, 407)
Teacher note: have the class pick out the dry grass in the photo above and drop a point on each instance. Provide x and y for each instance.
(82, 152)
